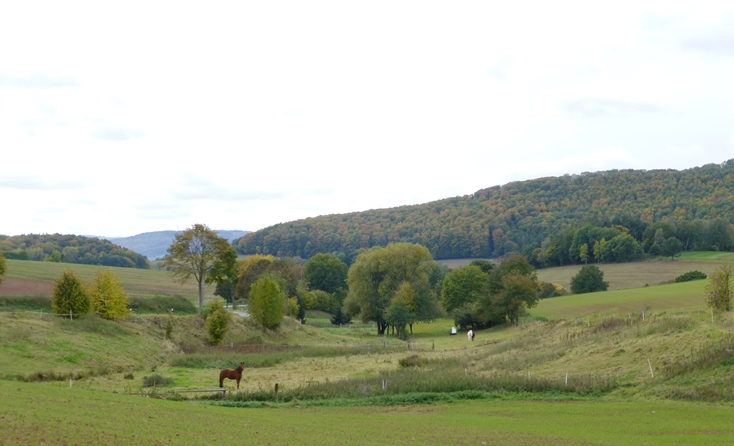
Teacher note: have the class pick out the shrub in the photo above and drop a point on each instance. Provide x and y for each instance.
(217, 324)
(267, 302)
(412, 361)
(689, 276)
(589, 279)
(156, 380)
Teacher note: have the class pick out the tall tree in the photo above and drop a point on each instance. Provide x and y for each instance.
(719, 289)
(511, 288)
(107, 296)
(201, 253)
(671, 247)
(584, 253)
(462, 285)
(3, 266)
(326, 272)
(69, 295)
(378, 273)
(400, 311)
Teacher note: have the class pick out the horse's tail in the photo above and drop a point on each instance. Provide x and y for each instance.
(221, 380)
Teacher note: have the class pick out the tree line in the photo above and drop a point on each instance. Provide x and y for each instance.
(499, 220)
(70, 249)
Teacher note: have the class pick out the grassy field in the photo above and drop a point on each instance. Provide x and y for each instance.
(676, 297)
(593, 372)
(34, 414)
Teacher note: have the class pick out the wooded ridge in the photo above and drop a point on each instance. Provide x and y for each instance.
(518, 216)
(70, 249)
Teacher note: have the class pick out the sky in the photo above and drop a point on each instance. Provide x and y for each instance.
(118, 118)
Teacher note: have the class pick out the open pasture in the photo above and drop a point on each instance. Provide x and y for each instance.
(677, 297)
(41, 414)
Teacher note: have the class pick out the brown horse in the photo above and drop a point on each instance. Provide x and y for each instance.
(235, 374)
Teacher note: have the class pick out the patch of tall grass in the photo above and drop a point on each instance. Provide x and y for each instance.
(52, 375)
(268, 355)
(91, 323)
(34, 303)
(443, 376)
(162, 303)
(705, 355)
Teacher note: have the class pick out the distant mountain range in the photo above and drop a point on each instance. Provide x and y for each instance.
(153, 245)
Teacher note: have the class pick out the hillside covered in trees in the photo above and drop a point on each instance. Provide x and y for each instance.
(70, 249)
(530, 217)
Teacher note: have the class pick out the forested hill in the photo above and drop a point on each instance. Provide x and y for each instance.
(70, 249)
(513, 217)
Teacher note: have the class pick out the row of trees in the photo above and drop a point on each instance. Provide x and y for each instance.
(620, 243)
(70, 249)
(510, 218)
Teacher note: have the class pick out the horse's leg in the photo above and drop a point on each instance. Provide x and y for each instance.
(238, 383)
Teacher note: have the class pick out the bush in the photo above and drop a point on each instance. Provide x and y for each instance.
(689, 276)
(156, 380)
(588, 280)
(412, 361)
(217, 323)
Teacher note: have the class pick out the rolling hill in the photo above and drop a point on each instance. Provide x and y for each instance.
(515, 216)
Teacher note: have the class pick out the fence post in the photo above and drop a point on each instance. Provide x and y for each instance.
(433, 344)
(71, 315)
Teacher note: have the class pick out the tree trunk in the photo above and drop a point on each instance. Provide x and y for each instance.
(201, 295)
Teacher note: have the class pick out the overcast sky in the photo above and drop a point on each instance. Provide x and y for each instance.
(138, 117)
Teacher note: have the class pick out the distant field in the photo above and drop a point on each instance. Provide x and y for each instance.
(137, 282)
(631, 275)
(678, 297)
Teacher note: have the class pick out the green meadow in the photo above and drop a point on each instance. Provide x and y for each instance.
(35, 414)
(635, 365)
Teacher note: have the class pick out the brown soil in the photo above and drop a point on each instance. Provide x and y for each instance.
(14, 286)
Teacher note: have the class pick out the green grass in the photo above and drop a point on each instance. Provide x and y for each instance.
(686, 296)
(43, 414)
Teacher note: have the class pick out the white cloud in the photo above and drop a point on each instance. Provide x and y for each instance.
(149, 116)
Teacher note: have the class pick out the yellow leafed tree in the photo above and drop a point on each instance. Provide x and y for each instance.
(108, 296)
